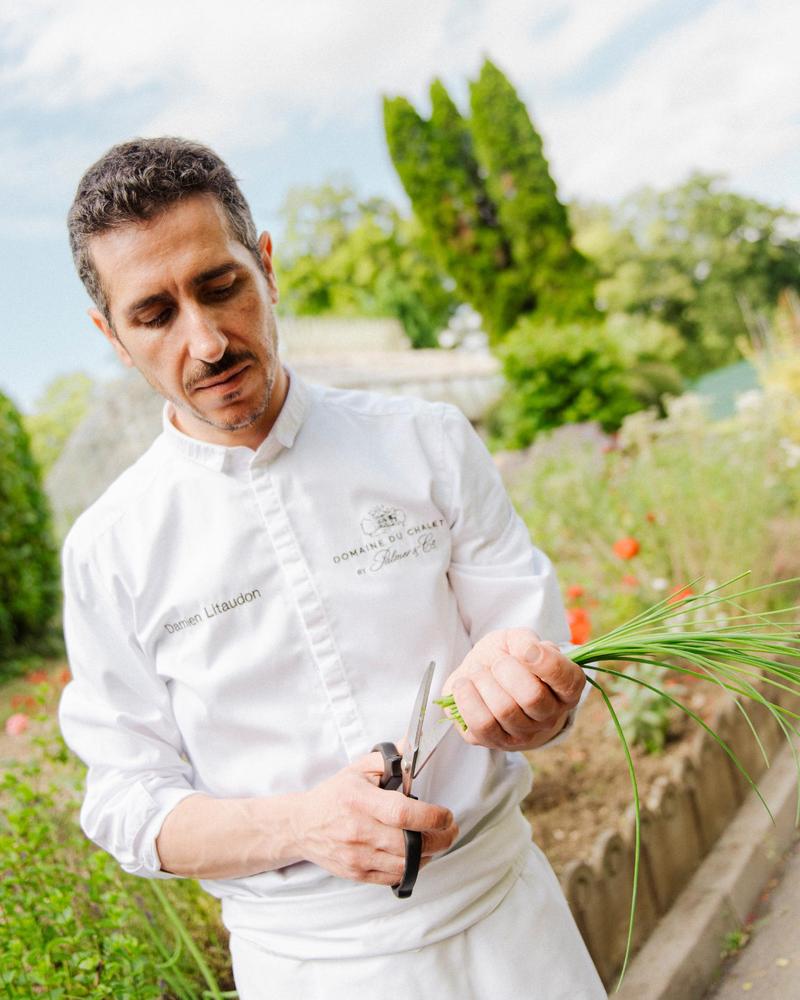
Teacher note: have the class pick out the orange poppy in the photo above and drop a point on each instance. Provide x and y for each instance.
(580, 625)
(626, 548)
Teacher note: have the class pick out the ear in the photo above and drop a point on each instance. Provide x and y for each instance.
(103, 326)
(265, 247)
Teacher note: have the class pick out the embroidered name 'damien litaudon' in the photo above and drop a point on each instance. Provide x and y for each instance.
(214, 609)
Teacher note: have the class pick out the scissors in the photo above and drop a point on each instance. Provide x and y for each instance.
(399, 771)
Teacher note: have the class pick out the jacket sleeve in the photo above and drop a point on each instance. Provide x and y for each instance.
(116, 716)
(500, 578)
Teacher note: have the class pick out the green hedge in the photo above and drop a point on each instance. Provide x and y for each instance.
(29, 571)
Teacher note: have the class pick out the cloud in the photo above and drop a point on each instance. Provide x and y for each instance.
(716, 91)
(240, 72)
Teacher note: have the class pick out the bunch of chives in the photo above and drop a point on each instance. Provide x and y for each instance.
(749, 648)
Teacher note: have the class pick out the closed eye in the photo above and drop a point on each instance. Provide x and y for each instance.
(161, 320)
(220, 293)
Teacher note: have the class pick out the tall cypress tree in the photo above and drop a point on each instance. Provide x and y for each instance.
(532, 217)
(438, 168)
(483, 193)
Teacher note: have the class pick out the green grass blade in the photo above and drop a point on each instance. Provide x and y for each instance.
(637, 835)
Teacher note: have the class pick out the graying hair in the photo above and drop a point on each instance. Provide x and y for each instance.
(135, 181)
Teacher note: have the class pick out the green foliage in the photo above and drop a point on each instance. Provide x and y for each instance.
(483, 194)
(351, 257)
(56, 414)
(552, 275)
(73, 924)
(28, 558)
(701, 499)
(696, 257)
(562, 374)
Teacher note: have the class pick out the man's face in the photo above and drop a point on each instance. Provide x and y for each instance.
(191, 309)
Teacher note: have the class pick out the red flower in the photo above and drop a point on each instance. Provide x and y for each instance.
(574, 591)
(626, 548)
(64, 676)
(17, 724)
(580, 625)
(630, 581)
(37, 677)
(678, 594)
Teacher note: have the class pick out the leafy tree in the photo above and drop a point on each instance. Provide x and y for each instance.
(482, 191)
(697, 257)
(28, 558)
(56, 414)
(353, 257)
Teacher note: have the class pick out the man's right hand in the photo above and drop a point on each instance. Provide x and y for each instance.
(354, 829)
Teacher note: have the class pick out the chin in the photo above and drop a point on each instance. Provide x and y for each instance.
(236, 416)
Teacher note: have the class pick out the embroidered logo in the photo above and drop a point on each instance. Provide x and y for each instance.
(382, 519)
(389, 537)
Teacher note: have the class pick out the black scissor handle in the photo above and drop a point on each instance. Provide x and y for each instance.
(391, 779)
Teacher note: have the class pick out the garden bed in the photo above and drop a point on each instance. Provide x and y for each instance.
(581, 786)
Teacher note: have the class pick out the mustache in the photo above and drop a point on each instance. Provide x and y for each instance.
(207, 369)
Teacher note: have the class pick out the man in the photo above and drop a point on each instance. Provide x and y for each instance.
(249, 609)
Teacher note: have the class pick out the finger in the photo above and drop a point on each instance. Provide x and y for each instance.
(434, 841)
(389, 840)
(534, 698)
(520, 642)
(510, 717)
(381, 878)
(395, 810)
(483, 729)
(370, 765)
(564, 678)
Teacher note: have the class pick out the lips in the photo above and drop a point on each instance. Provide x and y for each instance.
(223, 380)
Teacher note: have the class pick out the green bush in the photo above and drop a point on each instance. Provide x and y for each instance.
(560, 375)
(29, 571)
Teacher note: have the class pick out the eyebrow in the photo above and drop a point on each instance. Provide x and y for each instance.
(200, 279)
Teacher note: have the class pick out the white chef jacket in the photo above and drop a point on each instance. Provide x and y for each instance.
(246, 623)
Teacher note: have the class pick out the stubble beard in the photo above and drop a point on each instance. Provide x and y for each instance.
(243, 422)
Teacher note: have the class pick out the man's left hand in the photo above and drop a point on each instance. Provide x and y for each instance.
(514, 690)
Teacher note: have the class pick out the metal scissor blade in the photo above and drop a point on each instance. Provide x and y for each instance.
(415, 727)
(434, 734)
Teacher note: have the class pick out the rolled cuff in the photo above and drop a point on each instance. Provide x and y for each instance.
(133, 841)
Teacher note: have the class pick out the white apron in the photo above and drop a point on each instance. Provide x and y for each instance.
(527, 948)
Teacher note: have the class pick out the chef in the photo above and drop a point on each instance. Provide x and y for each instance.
(249, 609)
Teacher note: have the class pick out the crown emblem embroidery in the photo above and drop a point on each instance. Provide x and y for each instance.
(381, 519)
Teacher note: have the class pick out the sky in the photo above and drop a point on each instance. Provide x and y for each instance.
(625, 93)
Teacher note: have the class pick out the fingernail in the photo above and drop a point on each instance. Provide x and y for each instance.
(533, 653)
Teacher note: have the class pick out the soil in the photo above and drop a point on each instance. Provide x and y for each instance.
(581, 786)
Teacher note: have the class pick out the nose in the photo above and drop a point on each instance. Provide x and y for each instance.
(206, 342)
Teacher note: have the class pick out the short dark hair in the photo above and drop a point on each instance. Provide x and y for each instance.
(136, 180)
